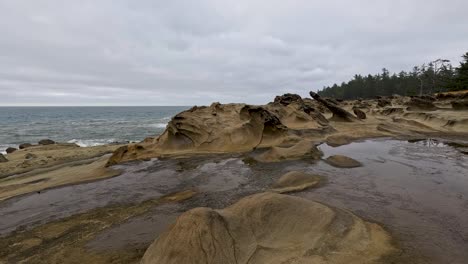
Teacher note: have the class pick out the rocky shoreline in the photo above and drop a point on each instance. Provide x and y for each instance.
(288, 129)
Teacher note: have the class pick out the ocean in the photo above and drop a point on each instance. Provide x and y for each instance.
(85, 126)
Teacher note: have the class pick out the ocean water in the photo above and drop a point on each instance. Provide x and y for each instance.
(85, 126)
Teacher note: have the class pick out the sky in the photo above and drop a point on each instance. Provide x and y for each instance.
(150, 52)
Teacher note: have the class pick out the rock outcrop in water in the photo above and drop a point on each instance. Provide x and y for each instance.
(229, 128)
(341, 161)
(270, 228)
(280, 126)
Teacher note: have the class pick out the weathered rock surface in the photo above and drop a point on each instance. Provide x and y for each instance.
(460, 104)
(301, 150)
(383, 102)
(2, 158)
(287, 99)
(295, 181)
(417, 103)
(341, 161)
(46, 142)
(227, 128)
(270, 228)
(10, 150)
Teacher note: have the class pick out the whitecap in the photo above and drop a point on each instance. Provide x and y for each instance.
(92, 142)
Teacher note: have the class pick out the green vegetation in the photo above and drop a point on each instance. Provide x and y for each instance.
(436, 76)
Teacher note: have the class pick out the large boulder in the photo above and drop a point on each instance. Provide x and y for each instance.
(46, 142)
(10, 150)
(270, 228)
(2, 158)
(24, 145)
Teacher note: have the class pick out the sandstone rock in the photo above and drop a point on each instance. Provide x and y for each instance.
(270, 228)
(460, 104)
(2, 158)
(46, 142)
(295, 181)
(25, 145)
(341, 161)
(287, 99)
(301, 150)
(359, 113)
(420, 104)
(10, 150)
(383, 102)
(339, 114)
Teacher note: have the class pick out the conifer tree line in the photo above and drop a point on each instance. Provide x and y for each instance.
(435, 76)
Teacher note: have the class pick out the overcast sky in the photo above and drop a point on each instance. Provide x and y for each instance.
(149, 52)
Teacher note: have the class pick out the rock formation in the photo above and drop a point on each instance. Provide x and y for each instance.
(295, 181)
(417, 103)
(10, 150)
(302, 150)
(339, 114)
(341, 161)
(359, 113)
(46, 142)
(25, 145)
(287, 99)
(270, 228)
(460, 104)
(381, 102)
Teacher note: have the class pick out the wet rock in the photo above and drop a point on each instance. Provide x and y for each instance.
(46, 142)
(29, 156)
(383, 102)
(270, 228)
(339, 140)
(359, 113)
(287, 99)
(10, 150)
(25, 145)
(420, 104)
(2, 158)
(301, 150)
(339, 114)
(295, 181)
(460, 104)
(341, 161)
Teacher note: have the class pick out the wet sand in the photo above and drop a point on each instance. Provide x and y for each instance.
(417, 191)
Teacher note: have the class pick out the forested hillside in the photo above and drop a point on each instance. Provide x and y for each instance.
(435, 76)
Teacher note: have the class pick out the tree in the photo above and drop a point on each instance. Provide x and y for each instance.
(435, 76)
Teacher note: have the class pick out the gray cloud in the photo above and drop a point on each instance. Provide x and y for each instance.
(196, 52)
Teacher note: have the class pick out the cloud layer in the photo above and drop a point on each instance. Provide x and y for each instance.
(115, 52)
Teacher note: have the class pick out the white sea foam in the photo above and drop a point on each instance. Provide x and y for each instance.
(91, 142)
(158, 125)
